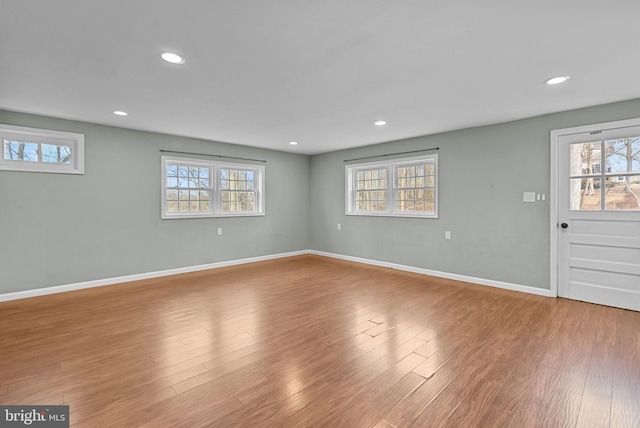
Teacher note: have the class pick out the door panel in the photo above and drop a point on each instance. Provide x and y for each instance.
(605, 252)
(605, 278)
(616, 229)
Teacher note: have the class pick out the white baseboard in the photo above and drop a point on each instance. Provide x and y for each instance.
(127, 278)
(474, 280)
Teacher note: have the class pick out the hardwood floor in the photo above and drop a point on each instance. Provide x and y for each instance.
(312, 341)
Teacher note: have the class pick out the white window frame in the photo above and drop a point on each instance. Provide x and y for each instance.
(39, 137)
(391, 166)
(215, 206)
(189, 163)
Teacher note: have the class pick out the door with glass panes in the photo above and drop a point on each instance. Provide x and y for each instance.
(599, 216)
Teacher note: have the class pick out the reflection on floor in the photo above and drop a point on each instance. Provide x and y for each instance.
(312, 341)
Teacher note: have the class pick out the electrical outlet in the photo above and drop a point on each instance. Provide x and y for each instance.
(447, 234)
(339, 226)
(219, 231)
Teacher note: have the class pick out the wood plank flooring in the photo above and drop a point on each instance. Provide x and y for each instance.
(313, 341)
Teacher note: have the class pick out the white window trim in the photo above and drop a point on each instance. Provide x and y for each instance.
(215, 205)
(259, 174)
(43, 136)
(391, 166)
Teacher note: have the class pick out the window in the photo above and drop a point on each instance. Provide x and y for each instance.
(238, 190)
(371, 189)
(402, 188)
(188, 188)
(616, 187)
(199, 188)
(41, 150)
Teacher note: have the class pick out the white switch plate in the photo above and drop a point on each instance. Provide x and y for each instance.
(219, 231)
(529, 196)
(447, 234)
(339, 226)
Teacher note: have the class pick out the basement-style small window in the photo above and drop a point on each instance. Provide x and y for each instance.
(194, 188)
(399, 188)
(41, 150)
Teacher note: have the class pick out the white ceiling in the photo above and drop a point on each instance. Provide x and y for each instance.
(263, 73)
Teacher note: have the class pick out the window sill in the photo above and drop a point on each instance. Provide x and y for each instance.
(221, 215)
(392, 215)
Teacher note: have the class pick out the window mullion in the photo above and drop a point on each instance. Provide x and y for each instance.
(603, 168)
(214, 170)
(392, 185)
(212, 189)
(354, 189)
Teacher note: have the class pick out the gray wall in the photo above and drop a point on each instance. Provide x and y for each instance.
(62, 229)
(483, 173)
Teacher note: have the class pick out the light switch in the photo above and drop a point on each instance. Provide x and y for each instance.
(447, 234)
(529, 196)
(339, 226)
(219, 231)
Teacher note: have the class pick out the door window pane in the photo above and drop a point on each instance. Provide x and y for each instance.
(585, 158)
(622, 193)
(584, 194)
(623, 155)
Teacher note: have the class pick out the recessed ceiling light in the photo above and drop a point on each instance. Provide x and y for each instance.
(172, 58)
(557, 80)
(120, 113)
(380, 123)
(293, 143)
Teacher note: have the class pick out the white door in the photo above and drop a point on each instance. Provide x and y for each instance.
(598, 213)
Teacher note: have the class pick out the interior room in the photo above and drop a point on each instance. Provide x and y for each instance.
(361, 214)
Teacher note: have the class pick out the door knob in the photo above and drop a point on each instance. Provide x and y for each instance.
(564, 225)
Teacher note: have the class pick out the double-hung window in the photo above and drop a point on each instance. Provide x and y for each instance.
(200, 188)
(400, 188)
(41, 150)
(238, 189)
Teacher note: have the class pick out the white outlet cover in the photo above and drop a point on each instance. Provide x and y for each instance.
(529, 196)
